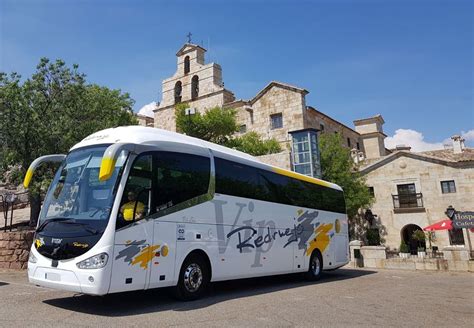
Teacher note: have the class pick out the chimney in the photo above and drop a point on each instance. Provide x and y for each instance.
(403, 147)
(357, 156)
(354, 155)
(458, 144)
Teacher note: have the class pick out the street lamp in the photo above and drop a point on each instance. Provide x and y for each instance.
(450, 211)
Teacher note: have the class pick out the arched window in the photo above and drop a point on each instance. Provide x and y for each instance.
(195, 87)
(178, 88)
(186, 65)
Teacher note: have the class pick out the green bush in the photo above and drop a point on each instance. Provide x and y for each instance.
(404, 247)
(373, 237)
(418, 235)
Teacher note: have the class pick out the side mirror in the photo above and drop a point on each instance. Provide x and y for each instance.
(37, 162)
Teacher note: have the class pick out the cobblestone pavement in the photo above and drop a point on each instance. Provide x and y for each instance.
(345, 297)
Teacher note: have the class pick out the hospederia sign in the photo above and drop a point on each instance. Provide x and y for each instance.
(463, 220)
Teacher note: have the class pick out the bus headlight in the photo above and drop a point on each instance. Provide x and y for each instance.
(32, 258)
(94, 262)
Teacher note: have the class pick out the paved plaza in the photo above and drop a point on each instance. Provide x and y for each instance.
(345, 297)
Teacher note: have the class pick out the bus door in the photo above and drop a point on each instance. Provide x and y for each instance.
(133, 249)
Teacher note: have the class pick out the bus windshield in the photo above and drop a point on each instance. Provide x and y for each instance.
(77, 196)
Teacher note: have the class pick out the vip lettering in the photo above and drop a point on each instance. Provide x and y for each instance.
(256, 240)
(219, 213)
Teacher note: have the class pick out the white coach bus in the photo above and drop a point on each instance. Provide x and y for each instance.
(136, 208)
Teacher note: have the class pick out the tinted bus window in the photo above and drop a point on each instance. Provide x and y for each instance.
(180, 177)
(245, 181)
(236, 179)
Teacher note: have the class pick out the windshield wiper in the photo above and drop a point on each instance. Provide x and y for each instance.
(45, 223)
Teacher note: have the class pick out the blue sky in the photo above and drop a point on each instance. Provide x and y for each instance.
(411, 61)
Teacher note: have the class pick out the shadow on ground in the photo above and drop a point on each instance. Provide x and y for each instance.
(3, 283)
(141, 302)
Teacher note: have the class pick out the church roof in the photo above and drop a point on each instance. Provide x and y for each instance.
(187, 47)
(278, 84)
(443, 157)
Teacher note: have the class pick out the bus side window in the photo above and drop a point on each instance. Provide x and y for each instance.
(136, 198)
(180, 177)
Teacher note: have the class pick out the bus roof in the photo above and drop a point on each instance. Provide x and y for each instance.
(143, 135)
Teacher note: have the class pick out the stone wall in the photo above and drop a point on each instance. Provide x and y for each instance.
(281, 159)
(317, 120)
(14, 249)
(145, 120)
(454, 259)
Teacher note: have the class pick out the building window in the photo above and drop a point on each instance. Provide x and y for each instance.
(306, 159)
(178, 88)
(349, 142)
(276, 121)
(448, 187)
(243, 128)
(187, 65)
(456, 237)
(195, 87)
(321, 127)
(358, 146)
(407, 197)
(371, 191)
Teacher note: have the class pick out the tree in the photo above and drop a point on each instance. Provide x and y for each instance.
(251, 143)
(215, 125)
(51, 111)
(338, 167)
(219, 125)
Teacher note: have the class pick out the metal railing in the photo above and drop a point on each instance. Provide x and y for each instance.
(407, 201)
(7, 201)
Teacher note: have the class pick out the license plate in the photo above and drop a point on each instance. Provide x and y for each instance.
(52, 276)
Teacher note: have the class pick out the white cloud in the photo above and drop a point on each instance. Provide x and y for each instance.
(469, 135)
(147, 110)
(414, 139)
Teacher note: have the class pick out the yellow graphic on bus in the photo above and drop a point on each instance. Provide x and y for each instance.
(321, 240)
(145, 256)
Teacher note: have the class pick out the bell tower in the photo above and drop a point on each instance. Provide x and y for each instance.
(196, 83)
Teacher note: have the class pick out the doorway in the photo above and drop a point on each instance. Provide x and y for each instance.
(407, 236)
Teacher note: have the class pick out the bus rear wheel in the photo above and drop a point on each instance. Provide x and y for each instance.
(315, 266)
(193, 278)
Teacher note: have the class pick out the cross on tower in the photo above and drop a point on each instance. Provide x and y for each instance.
(189, 37)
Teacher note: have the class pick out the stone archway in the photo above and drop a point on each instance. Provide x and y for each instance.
(406, 235)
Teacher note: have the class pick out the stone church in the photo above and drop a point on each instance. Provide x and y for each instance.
(277, 111)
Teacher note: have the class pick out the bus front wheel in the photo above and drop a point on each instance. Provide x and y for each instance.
(315, 266)
(193, 278)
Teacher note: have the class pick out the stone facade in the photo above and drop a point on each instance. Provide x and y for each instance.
(372, 136)
(281, 159)
(15, 249)
(145, 120)
(424, 171)
(326, 124)
(275, 99)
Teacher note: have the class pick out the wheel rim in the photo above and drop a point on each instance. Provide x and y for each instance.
(315, 266)
(193, 277)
